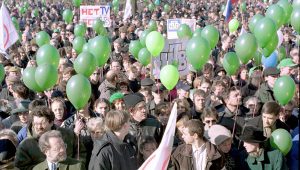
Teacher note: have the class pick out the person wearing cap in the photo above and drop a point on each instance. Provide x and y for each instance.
(221, 137)
(286, 66)
(257, 157)
(196, 152)
(141, 124)
(265, 92)
(117, 101)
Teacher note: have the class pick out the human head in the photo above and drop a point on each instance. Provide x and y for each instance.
(147, 146)
(96, 127)
(162, 112)
(112, 77)
(287, 111)
(253, 105)
(270, 113)
(117, 101)
(9, 134)
(199, 99)
(285, 66)
(271, 74)
(221, 137)
(209, 117)
(208, 71)
(116, 66)
(233, 97)
(53, 146)
(294, 53)
(101, 106)
(58, 107)
(117, 120)
(42, 120)
(253, 139)
(193, 131)
(218, 87)
(205, 86)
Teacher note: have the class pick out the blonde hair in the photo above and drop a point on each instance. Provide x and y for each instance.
(115, 120)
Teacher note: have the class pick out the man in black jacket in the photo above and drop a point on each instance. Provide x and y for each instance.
(111, 152)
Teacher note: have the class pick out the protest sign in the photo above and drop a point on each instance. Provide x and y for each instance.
(174, 51)
(174, 24)
(89, 14)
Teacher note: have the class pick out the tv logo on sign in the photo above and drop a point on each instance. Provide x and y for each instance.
(174, 25)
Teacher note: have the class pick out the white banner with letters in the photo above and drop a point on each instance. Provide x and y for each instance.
(88, 14)
(174, 24)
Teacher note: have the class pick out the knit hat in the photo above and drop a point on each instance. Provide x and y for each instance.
(22, 107)
(218, 134)
(7, 149)
(287, 62)
(116, 96)
(132, 99)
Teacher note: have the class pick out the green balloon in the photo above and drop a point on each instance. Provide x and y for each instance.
(85, 47)
(253, 21)
(152, 26)
(42, 38)
(284, 89)
(197, 52)
(296, 4)
(85, 64)
(243, 6)
(83, 24)
(22, 10)
(47, 54)
(134, 48)
(257, 58)
(184, 32)
(151, 7)
(78, 43)
(269, 49)
(115, 3)
(28, 78)
(79, 30)
(167, 8)
(276, 13)
(155, 43)
(36, 12)
(281, 139)
(231, 63)
(295, 20)
(287, 8)
(2, 73)
(245, 47)
(233, 25)
(211, 34)
(144, 56)
(77, 3)
(78, 83)
(116, 9)
(264, 31)
(98, 26)
(46, 76)
(16, 23)
(169, 76)
(281, 53)
(100, 48)
(197, 32)
(68, 16)
(144, 36)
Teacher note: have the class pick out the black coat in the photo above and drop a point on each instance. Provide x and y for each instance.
(110, 153)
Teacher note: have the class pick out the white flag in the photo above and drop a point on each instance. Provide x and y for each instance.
(159, 159)
(128, 10)
(8, 32)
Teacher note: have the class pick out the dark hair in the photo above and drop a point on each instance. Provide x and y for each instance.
(272, 108)
(35, 103)
(43, 111)
(209, 112)
(195, 126)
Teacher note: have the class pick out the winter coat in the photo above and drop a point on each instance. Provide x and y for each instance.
(106, 89)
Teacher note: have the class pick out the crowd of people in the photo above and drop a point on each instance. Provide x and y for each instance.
(223, 122)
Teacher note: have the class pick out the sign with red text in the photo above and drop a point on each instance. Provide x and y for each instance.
(88, 14)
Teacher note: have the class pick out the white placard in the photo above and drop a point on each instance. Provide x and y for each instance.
(89, 14)
(174, 24)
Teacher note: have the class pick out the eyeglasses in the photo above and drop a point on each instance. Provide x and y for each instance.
(210, 121)
(96, 73)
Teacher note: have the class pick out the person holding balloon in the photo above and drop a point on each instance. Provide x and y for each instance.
(257, 157)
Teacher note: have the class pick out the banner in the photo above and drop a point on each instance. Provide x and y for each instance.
(174, 51)
(89, 14)
(174, 24)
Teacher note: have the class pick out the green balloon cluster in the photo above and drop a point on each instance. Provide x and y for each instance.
(85, 64)
(197, 52)
(245, 47)
(100, 48)
(152, 26)
(287, 8)
(78, 91)
(68, 16)
(29, 79)
(184, 32)
(78, 43)
(271, 46)
(79, 30)
(144, 36)
(151, 7)
(284, 89)
(276, 13)
(46, 76)
(231, 63)
(197, 32)
(211, 34)
(98, 26)
(295, 20)
(253, 21)
(47, 54)
(134, 48)
(281, 139)
(264, 31)
(144, 56)
(155, 43)
(42, 38)
(169, 76)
